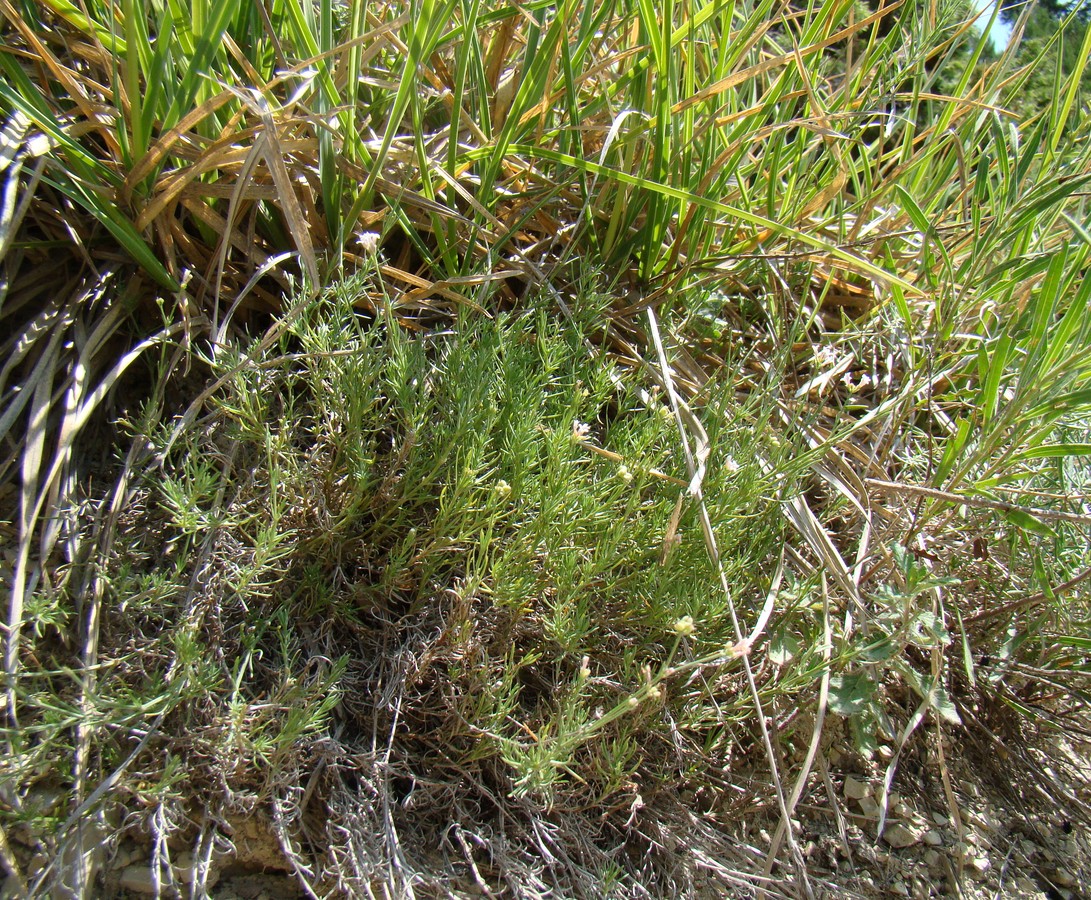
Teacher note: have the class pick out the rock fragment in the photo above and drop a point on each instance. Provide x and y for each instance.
(856, 790)
(1064, 878)
(138, 879)
(899, 837)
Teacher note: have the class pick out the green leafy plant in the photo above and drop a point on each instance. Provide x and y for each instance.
(511, 429)
(901, 628)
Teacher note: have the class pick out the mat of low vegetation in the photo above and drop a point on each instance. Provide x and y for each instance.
(563, 450)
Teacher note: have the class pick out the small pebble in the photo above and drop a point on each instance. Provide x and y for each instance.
(185, 868)
(932, 838)
(1064, 878)
(856, 790)
(123, 858)
(987, 821)
(898, 836)
(979, 867)
(138, 879)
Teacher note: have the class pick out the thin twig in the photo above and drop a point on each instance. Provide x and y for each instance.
(618, 458)
(1032, 600)
(695, 467)
(816, 734)
(1002, 505)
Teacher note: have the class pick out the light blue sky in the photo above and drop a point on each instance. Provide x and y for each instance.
(1000, 32)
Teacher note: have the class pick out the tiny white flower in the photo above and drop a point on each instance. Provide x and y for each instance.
(624, 474)
(369, 241)
(502, 489)
(730, 465)
(634, 702)
(684, 626)
(580, 430)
